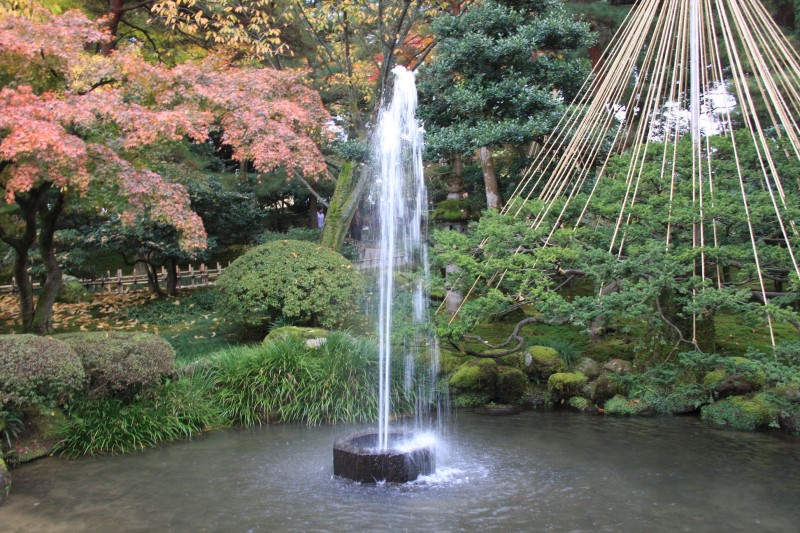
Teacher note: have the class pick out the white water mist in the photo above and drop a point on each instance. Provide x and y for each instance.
(402, 216)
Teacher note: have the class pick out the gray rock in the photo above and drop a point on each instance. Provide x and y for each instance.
(618, 366)
(588, 367)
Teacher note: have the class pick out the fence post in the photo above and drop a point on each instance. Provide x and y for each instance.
(191, 274)
(119, 281)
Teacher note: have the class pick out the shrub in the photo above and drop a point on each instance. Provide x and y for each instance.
(470, 399)
(119, 363)
(740, 412)
(37, 371)
(73, 292)
(622, 406)
(579, 402)
(293, 279)
(512, 385)
(171, 411)
(565, 384)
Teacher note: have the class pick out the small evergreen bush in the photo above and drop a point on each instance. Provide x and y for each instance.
(37, 371)
(622, 406)
(120, 363)
(292, 279)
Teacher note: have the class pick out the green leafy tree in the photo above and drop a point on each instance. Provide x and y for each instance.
(500, 75)
(668, 296)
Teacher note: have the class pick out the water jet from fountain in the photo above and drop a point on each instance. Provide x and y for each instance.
(401, 214)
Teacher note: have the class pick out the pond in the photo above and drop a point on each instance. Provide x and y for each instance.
(535, 471)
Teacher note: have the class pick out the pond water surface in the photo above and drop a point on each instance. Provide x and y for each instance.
(535, 471)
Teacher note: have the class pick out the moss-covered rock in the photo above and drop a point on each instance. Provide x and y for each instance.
(512, 385)
(544, 362)
(515, 360)
(723, 383)
(563, 385)
(618, 366)
(476, 376)
(604, 388)
(621, 406)
(449, 362)
(41, 435)
(588, 367)
(741, 412)
(5, 481)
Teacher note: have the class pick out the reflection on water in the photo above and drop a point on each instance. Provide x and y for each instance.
(528, 472)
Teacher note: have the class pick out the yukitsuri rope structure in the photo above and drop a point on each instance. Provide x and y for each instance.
(668, 64)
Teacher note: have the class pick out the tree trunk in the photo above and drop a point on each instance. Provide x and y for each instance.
(43, 314)
(350, 186)
(111, 22)
(493, 198)
(172, 277)
(28, 205)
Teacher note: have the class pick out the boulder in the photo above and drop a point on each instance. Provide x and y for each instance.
(588, 367)
(563, 385)
(477, 376)
(723, 384)
(542, 362)
(618, 366)
(512, 385)
(605, 388)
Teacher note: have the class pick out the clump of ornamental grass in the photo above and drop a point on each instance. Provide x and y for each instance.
(289, 381)
(171, 411)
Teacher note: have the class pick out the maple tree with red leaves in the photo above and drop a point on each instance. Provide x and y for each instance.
(75, 124)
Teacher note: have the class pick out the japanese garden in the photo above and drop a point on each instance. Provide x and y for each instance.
(297, 265)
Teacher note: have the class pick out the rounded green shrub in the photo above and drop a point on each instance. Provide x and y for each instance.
(73, 292)
(562, 385)
(37, 371)
(479, 376)
(119, 363)
(291, 279)
(512, 385)
(741, 412)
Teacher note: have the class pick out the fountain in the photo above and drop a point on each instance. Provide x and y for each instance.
(398, 455)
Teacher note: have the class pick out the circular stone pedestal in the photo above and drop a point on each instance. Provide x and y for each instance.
(356, 457)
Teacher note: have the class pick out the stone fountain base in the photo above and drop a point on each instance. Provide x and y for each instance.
(356, 457)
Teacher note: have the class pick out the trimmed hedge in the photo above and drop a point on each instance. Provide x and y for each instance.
(119, 363)
(293, 279)
(37, 371)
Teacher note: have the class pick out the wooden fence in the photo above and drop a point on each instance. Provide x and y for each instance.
(119, 283)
